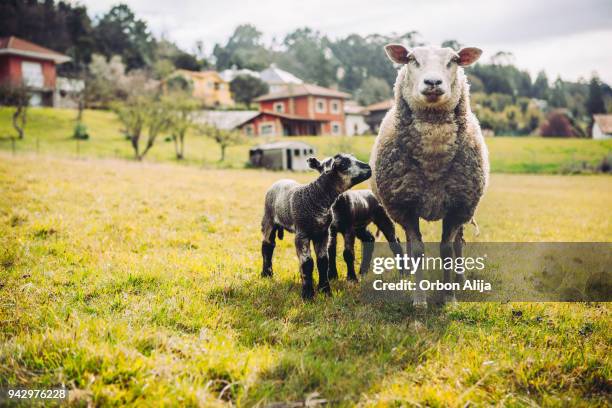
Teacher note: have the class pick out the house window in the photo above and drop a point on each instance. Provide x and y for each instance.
(32, 74)
(335, 128)
(249, 130)
(335, 106)
(266, 129)
(296, 152)
(217, 86)
(320, 106)
(210, 85)
(279, 107)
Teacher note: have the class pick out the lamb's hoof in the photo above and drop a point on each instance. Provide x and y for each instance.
(419, 301)
(332, 275)
(266, 273)
(449, 299)
(307, 292)
(352, 278)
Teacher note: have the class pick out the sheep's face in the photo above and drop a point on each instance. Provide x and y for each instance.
(349, 170)
(429, 75)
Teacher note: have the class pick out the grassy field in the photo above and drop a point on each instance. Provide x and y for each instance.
(51, 129)
(138, 283)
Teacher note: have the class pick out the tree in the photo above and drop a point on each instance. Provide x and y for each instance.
(595, 103)
(223, 137)
(119, 32)
(557, 124)
(181, 111)
(374, 90)
(540, 87)
(558, 98)
(245, 88)
(16, 96)
(244, 49)
(140, 113)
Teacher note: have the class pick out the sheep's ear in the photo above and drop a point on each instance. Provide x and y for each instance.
(469, 55)
(314, 164)
(397, 53)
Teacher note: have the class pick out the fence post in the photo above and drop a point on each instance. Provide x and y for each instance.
(78, 148)
(13, 147)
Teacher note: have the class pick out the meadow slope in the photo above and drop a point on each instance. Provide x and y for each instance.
(138, 283)
(49, 131)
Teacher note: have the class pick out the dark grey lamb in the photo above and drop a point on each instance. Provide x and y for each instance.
(430, 160)
(305, 209)
(352, 212)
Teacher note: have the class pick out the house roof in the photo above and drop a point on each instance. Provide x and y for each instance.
(275, 75)
(281, 115)
(604, 122)
(229, 74)
(226, 119)
(283, 145)
(384, 105)
(16, 46)
(301, 90)
(353, 108)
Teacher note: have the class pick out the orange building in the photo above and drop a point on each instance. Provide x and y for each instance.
(208, 87)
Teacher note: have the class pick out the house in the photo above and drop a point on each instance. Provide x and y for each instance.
(282, 155)
(354, 122)
(23, 62)
(207, 86)
(299, 109)
(602, 126)
(225, 119)
(277, 79)
(376, 112)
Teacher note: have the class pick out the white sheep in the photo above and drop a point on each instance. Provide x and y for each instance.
(430, 160)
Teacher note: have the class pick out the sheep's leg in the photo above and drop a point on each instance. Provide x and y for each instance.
(416, 249)
(367, 248)
(349, 255)
(386, 226)
(267, 248)
(320, 246)
(458, 247)
(331, 249)
(451, 225)
(302, 247)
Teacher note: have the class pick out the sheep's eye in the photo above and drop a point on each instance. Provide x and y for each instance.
(453, 60)
(413, 60)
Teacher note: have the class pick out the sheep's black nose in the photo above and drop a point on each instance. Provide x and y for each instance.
(432, 82)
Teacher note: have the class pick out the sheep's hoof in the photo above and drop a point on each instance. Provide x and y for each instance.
(326, 289)
(307, 292)
(266, 273)
(352, 278)
(450, 299)
(419, 301)
(332, 275)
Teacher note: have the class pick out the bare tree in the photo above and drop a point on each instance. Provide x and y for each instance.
(181, 111)
(16, 96)
(139, 114)
(223, 137)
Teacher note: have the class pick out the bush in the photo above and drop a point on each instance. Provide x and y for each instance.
(80, 132)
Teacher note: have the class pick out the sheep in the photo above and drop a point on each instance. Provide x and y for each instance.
(352, 212)
(429, 159)
(306, 211)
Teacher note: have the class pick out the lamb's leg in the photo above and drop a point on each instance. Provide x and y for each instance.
(349, 254)
(386, 226)
(367, 247)
(331, 249)
(267, 247)
(451, 225)
(320, 246)
(302, 247)
(416, 249)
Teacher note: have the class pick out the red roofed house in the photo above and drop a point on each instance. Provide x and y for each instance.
(22, 62)
(299, 109)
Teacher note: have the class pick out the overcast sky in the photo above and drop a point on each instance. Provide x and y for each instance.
(570, 38)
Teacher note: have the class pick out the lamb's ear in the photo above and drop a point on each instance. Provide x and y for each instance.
(314, 164)
(397, 53)
(469, 55)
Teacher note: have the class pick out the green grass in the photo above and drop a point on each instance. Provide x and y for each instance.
(51, 129)
(138, 283)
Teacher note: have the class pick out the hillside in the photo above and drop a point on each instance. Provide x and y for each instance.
(51, 129)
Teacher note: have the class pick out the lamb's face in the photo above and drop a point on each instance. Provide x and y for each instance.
(349, 170)
(429, 74)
